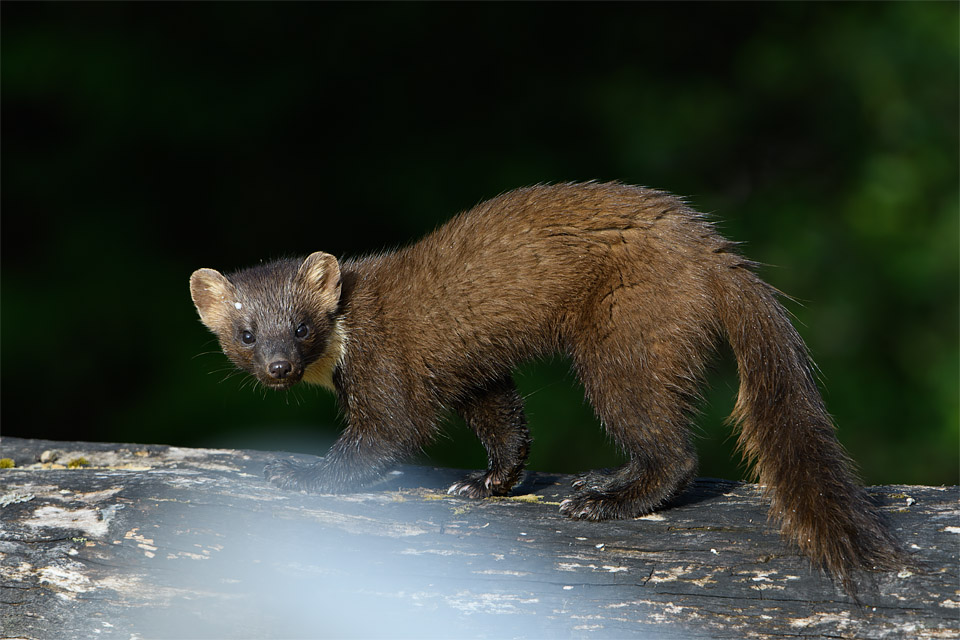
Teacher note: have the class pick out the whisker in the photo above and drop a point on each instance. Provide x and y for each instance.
(207, 353)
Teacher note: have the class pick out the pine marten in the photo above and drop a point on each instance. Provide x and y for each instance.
(632, 284)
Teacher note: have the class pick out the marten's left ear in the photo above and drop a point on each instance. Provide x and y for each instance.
(320, 272)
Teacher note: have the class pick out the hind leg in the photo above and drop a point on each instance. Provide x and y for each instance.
(495, 413)
(641, 385)
(662, 460)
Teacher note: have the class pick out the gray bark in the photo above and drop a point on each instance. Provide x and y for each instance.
(146, 541)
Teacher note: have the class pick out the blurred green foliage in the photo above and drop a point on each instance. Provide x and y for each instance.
(141, 141)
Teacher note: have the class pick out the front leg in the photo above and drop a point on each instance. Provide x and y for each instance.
(327, 475)
(294, 475)
(357, 458)
(376, 438)
(495, 413)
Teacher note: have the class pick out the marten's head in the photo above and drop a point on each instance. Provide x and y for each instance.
(277, 321)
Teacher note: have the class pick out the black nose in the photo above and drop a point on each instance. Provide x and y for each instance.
(280, 369)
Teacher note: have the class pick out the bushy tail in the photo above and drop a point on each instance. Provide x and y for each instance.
(786, 433)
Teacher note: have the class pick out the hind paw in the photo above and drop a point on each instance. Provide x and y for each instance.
(598, 497)
(590, 505)
(592, 480)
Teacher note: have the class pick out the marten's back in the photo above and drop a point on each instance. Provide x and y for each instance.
(494, 284)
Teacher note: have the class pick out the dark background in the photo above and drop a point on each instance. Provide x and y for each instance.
(142, 141)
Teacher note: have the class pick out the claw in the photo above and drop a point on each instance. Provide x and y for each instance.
(459, 489)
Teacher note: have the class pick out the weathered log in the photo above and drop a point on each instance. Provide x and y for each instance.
(146, 541)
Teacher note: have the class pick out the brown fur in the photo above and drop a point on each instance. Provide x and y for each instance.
(629, 282)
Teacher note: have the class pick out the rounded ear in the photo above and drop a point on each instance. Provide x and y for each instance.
(320, 273)
(213, 295)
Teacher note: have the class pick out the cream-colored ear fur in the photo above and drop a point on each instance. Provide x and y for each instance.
(214, 296)
(320, 272)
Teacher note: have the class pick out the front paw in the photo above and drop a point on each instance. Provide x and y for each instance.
(294, 476)
(480, 485)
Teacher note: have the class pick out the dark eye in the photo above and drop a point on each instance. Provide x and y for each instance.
(302, 331)
(247, 337)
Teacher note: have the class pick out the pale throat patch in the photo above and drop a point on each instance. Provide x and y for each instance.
(321, 371)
